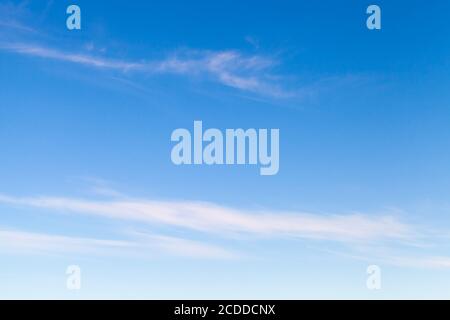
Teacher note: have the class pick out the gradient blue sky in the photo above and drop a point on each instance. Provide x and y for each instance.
(85, 171)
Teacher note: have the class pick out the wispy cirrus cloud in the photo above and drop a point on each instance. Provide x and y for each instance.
(13, 17)
(427, 262)
(229, 67)
(383, 255)
(212, 218)
(12, 24)
(247, 72)
(137, 244)
(232, 68)
(49, 53)
(30, 242)
(381, 238)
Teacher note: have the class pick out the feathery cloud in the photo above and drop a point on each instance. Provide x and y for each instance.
(212, 218)
(230, 68)
(139, 244)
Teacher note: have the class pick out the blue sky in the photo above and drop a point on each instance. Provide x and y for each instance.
(86, 177)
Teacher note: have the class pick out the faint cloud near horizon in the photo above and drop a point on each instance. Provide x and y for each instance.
(137, 244)
(380, 237)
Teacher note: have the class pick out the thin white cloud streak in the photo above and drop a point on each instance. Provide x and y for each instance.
(392, 258)
(43, 52)
(11, 24)
(141, 244)
(184, 247)
(212, 218)
(420, 257)
(21, 241)
(14, 18)
(433, 262)
(230, 68)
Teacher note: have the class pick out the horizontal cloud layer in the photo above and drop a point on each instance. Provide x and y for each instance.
(139, 244)
(229, 67)
(213, 218)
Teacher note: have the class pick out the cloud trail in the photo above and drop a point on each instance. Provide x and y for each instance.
(212, 218)
(230, 68)
(139, 244)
